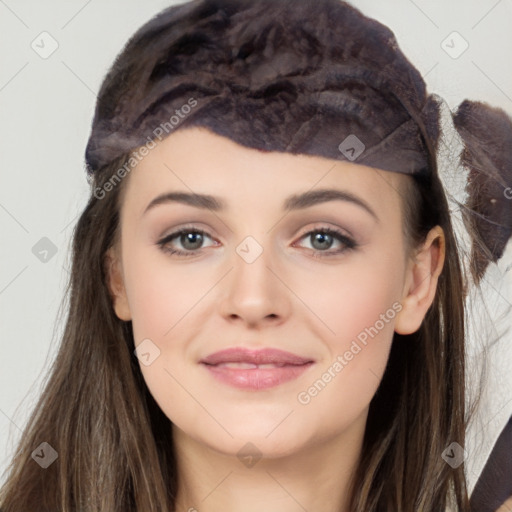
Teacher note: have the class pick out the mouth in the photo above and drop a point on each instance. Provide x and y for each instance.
(255, 370)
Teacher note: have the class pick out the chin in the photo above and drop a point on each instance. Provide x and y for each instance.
(257, 446)
(266, 437)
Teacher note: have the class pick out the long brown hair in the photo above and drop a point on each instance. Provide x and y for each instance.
(114, 444)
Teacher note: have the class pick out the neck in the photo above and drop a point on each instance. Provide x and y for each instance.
(314, 478)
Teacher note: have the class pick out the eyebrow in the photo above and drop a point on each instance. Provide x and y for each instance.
(294, 202)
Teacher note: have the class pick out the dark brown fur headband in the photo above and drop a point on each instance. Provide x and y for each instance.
(303, 76)
(297, 76)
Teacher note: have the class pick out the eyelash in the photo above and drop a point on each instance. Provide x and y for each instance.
(349, 243)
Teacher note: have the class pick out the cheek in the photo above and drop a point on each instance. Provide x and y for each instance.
(358, 304)
(160, 294)
(358, 295)
(165, 302)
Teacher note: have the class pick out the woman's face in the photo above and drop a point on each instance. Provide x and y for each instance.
(294, 253)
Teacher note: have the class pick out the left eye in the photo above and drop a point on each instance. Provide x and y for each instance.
(322, 240)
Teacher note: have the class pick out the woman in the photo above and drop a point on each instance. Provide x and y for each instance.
(266, 299)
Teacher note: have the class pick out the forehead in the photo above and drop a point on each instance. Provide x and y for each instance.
(200, 161)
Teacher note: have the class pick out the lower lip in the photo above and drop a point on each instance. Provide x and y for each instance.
(256, 378)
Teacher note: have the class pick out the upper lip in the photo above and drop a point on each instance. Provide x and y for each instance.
(262, 356)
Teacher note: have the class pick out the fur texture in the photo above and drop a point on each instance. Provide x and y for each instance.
(274, 75)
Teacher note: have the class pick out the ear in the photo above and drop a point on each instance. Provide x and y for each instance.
(421, 282)
(115, 284)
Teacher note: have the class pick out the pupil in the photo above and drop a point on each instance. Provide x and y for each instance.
(193, 238)
(324, 239)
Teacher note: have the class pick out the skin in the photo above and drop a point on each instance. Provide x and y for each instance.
(288, 298)
(506, 507)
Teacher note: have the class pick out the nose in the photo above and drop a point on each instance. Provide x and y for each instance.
(254, 292)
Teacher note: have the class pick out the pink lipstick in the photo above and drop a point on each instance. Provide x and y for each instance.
(255, 369)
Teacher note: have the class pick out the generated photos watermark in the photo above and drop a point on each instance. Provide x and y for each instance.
(160, 132)
(342, 360)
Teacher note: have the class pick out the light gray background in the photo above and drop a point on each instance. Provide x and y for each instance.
(46, 107)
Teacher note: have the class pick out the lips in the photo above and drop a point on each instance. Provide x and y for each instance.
(255, 369)
(256, 357)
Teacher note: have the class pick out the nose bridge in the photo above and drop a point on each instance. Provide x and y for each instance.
(251, 279)
(253, 291)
